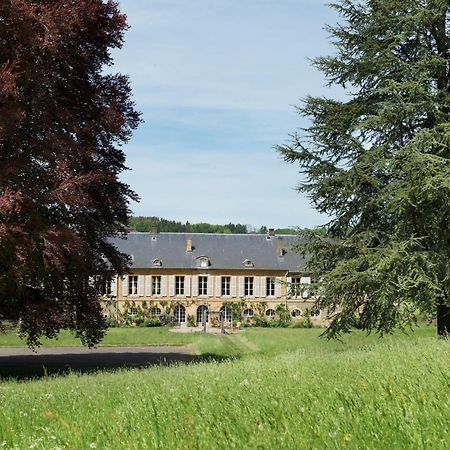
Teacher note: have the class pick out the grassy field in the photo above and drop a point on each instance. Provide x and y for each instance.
(281, 388)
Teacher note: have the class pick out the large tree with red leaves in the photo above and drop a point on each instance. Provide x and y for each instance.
(62, 122)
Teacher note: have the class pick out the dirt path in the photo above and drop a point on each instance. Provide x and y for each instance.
(24, 362)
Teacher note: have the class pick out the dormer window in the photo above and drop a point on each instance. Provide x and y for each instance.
(157, 263)
(203, 262)
(248, 263)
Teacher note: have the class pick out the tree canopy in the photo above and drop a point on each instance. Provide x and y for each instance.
(62, 121)
(378, 163)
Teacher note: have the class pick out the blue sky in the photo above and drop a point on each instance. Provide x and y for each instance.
(216, 82)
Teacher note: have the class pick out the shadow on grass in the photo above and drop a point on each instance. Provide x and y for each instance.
(23, 367)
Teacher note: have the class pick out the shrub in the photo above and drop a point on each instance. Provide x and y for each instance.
(151, 323)
(191, 321)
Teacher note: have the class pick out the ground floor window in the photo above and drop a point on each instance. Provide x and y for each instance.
(270, 313)
(296, 313)
(179, 314)
(132, 311)
(315, 313)
(226, 313)
(156, 312)
(202, 310)
(248, 313)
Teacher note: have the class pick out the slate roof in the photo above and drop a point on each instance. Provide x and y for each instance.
(225, 251)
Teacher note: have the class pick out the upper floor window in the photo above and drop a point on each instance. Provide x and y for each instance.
(248, 286)
(248, 263)
(226, 283)
(202, 285)
(157, 262)
(132, 285)
(179, 285)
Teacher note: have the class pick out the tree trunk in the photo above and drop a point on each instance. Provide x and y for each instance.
(443, 320)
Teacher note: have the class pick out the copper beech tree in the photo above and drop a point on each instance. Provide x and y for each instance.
(62, 122)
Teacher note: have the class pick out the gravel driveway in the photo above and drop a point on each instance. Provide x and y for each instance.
(16, 361)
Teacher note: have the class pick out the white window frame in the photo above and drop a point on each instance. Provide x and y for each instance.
(156, 284)
(179, 285)
(156, 311)
(203, 285)
(132, 311)
(133, 285)
(270, 287)
(225, 286)
(249, 286)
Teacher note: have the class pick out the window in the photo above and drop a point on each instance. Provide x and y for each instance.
(202, 285)
(157, 262)
(132, 285)
(202, 311)
(248, 263)
(296, 313)
(315, 313)
(156, 312)
(132, 311)
(225, 313)
(106, 287)
(179, 285)
(156, 285)
(270, 313)
(295, 288)
(248, 313)
(270, 287)
(226, 282)
(248, 286)
(203, 262)
(179, 314)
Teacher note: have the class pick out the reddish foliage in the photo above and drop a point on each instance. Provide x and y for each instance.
(62, 120)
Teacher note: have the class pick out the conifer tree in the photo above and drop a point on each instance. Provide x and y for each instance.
(378, 164)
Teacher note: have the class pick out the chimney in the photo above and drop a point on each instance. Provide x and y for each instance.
(271, 231)
(154, 231)
(189, 245)
(280, 250)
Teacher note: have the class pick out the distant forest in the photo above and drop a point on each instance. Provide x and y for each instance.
(145, 224)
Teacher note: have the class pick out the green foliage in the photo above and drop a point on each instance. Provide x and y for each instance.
(145, 224)
(155, 322)
(191, 322)
(378, 164)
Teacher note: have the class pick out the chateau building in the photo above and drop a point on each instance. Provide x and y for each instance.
(184, 274)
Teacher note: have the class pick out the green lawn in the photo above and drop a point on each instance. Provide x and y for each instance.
(287, 389)
(114, 337)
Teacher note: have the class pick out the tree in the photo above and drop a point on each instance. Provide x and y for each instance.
(62, 122)
(378, 163)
